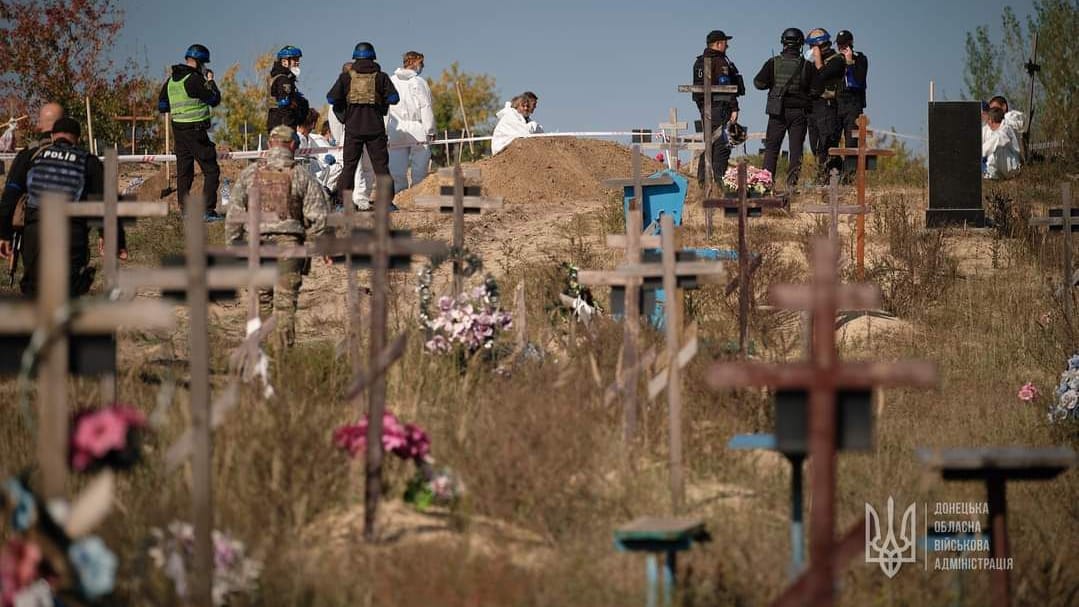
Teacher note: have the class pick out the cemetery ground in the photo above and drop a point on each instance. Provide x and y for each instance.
(548, 477)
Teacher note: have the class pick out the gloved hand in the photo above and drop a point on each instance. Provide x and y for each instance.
(329, 159)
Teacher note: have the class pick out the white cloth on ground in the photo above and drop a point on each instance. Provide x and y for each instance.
(511, 125)
(1000, 148)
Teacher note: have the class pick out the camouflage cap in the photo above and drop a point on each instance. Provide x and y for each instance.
(282, 133)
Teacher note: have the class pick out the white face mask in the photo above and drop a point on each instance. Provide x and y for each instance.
(808, 54)
(295, 71)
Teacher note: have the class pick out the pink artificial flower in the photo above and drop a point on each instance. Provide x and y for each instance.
(352, 438)
(1028, 392)
(417, 444)
(20, 562)
(96, 434)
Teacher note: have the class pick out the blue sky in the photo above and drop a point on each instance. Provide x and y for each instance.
(596, 65)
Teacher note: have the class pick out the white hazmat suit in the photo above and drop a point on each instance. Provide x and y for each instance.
(511, 125)
(1000, 148)
(409, 125)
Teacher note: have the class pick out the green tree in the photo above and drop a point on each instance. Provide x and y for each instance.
(480, 104)
(55, 50)
(243, 102)
(982, 72)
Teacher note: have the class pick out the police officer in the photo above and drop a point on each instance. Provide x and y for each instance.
(787, 78)
(724, 106)
(15, 186)
(826, 129)
(293, 208)
(189, 94)
(288, 106)
(851, 96)
(64, 168)
(361, 97)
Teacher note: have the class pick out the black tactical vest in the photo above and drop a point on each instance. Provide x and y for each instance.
(787, 70)
(59, 168)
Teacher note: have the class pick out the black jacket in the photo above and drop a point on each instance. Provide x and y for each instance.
(856, 74)
(794, 96)
(363, 120)
(288, 106)
(830, 72)
(93, 189)
(197, 87)
(723, 72)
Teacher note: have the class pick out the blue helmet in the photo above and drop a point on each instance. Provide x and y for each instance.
(198, 52)
(289, 52)
(364, 50)
(818, 36)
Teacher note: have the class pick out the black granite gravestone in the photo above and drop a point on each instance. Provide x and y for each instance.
(955, 175)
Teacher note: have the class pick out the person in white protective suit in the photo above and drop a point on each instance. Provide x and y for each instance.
(410, 123)
(322, 164)
(365, 174)
(1000, 147)
(515, 120)
(1012, 118)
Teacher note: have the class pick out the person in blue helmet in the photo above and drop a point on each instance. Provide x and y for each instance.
(288, 106)
(825, 128)
(361, 97)
(188, 96)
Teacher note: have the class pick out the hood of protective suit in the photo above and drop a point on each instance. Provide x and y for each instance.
(412, 119)
(511, 125)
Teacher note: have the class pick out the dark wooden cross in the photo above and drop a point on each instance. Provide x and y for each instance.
(833, 209)
(110, 211)
(823, 376)
(1064, 220)
(995, 467)
(672, 272)
(464, 196)
(196, 280)
(707, 89)
(135, 120)
(383, 249)
(47, 317)
(863, 153)
(345, 223)
(743, 204)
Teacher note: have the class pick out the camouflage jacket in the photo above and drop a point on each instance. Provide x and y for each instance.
(300, 212)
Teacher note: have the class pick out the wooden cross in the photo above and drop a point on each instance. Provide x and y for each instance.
(707, 89)
(1064, 220)
(346, 222)
(46, 316)
(834, 209)
(744, 204)
(823, 376)
(109, 210)
(673, 143)
(383, 249)
(671, 272)
(464, 197)
(134, 120)
(862, 152)
(997, 466)
(196, 280)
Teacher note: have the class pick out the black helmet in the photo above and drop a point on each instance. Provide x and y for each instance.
(792, 36)
(198, 52)
(736, 134)
(844, 37)
(364, 50)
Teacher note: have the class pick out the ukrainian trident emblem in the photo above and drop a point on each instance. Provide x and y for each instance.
(889, 551)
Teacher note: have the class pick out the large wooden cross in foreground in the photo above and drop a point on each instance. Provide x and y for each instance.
(863, 153)
(465, 198)
(384, 249)
(823, 375)
(1063, 220)
(746, 265)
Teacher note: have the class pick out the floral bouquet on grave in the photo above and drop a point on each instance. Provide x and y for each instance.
(173, 552)
(758, 181)
(576, 297)
(468, 323)
(430, 486)
(108, 437)
(1064, 406)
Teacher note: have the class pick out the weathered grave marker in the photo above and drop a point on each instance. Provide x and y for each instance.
(862, 153)
(745, 265)
(833, 209)
(823, 376)
(673, 142)
(1064, 220)
(384, 249)
(954, 153)
(47, 318)
(465, 197)
(660, 536)
(708, 90)
(997, 466)
(134, 119)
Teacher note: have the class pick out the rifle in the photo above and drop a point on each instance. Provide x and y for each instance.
(13, 265)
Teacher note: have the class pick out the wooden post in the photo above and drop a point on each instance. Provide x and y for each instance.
(90, 128)
(673, 327)
(464, 119)
(706, 118)
(862, 152)
(53, 281)
(134, 120)
(1065, 223)
(823, 375)
(1032, 68)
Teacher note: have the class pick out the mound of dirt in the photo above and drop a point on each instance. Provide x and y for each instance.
(548, 169)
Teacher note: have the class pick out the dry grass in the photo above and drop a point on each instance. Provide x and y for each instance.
(548, 478)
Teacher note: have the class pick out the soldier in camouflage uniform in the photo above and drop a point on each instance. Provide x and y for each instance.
(293, 207)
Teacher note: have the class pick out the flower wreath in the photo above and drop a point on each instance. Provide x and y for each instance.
(467, 323)
(470, 264)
